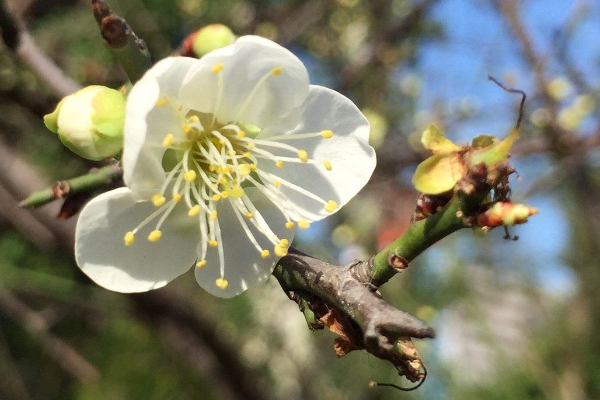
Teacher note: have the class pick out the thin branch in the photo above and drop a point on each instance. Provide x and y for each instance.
(20, 41)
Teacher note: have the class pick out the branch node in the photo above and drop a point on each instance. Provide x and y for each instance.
(397, 262)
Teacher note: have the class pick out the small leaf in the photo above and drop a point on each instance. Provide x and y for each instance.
(434, 140)
(495, 153)
(439, 174)
(484, 141)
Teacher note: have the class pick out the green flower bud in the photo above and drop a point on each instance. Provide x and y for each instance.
(212, 37)
(90, 122)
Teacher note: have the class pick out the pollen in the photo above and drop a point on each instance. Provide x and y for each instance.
(213, 243)
(193, 119)
(194, 211)
(279, 164)
(217, 68)
(212, 168)
(161, 102)
(327, 165)
(280, 251)
(303, 224)
(176, 197)
(216, 197)
(245, 169)
(168, 140)
(129, 238)
(251, 145)
(303, 156)
(190, 176)
(155, 236)
(231, 153)
(213, 215)
(265, 253)
(187, 128)
(241, 134)
(221, 283)
(225, 194)
(201, 264)
(223, 181)
(284, 243)
(327, 134)
(330, 206)
(277, 183)
(289, 224)
(247, 154)
(248, 215)
(158, 199)
(277, 71)
(237, 192)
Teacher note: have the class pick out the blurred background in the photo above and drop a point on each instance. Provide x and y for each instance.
(515, 319)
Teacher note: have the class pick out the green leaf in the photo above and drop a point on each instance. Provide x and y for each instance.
(439, 173)
(434, 140)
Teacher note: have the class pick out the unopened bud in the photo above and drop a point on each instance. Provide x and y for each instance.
(212, 37)
(90, 122)
(505, 214)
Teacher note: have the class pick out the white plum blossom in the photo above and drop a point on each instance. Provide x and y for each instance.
(224, 157)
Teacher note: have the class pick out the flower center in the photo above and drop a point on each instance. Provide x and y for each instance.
(208, 162)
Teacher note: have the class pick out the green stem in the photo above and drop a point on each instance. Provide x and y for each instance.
(416, 239)
(84, 183)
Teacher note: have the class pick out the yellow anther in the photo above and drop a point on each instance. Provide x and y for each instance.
(284, 243)
(327, 134)
(327, 165)
(237, 192)
(158, 199)
(231, 153)
(253, 167)
(265, 253)
(280, 251)
(193, 119)
(277, 183)
(212, 168)
(155, 236)
(176, 197)
(216, 197)
(213, 243)
(224, 194)
(187, 128)
(221, 283)
(241, 134)
(168, 140)
(330, 206)
(248, 215)
(303, 224)
(277, 71)
(213, 215)
(161, 102)
(129, 238)
(223, 180)
(245, 169)
(247, 154)
(251, 145)
(303, 155)
(192, 212)
(201, 264)
(217, 68)
(190, 176)
(279, 164)
(221, 141)
(215, 187)
(226, 170)
(289, 224)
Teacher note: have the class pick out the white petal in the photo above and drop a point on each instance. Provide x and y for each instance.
(146, 124)
(352, 158)
(101, 253)
(245, 63)
(244, 267)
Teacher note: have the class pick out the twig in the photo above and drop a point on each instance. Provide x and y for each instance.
(20, 41)
(131, 51)
(85, 183)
